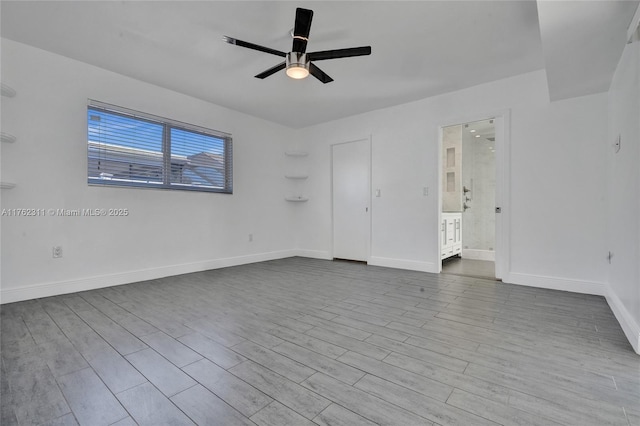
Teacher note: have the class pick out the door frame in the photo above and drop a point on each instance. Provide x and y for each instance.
(503, 187)
(369, 198)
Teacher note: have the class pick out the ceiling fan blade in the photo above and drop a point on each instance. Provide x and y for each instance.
(272, 70)
(248, 45)
(301, 29)
(339, 53)
(319, 74)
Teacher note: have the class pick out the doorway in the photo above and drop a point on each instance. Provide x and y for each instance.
(351, 176)
(470, 218)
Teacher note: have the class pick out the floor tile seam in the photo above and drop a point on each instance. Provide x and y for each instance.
(320, 327)
(273, 397)
(318, 371)
(512, 388)
(404, 370)
(94, 331)
(378, 398)
(118, 322)
(159, 391)
(309, 348)
(482, 397)
(426, 349)
(237, 378)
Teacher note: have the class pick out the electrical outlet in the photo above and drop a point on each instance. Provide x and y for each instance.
(250, 237)
(57, 252)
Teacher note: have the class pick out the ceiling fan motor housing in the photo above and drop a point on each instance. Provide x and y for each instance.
(297, 65)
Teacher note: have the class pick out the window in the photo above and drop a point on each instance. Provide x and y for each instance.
(129, 148)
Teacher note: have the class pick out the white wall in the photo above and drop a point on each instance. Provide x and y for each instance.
(624, 193)
(557, 182)
(166, 232)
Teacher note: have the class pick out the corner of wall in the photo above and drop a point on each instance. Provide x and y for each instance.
(629, 326)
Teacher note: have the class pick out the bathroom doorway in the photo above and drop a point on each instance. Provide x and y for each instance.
(469, 215)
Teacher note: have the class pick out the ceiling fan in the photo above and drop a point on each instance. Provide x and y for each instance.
(298, 63)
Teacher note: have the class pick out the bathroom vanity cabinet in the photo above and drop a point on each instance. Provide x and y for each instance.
(451, 234)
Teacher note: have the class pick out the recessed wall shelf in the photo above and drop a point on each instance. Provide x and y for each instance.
(7, 138)
(296, 176)
(296, 153)
(7, 91)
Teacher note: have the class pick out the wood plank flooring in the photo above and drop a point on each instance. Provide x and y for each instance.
(309, 342)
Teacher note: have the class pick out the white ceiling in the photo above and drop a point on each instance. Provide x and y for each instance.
(582, 43)
(420, 48)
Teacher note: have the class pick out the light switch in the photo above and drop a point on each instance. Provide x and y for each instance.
(425, 191)
(377, 193)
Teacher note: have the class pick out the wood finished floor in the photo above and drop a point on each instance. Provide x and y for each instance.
(309, 342)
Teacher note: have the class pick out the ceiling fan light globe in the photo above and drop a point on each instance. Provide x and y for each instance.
(297, 72)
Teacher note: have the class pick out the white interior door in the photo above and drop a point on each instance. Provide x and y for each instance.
(351, 199)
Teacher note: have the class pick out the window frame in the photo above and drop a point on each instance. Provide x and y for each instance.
(166, 168)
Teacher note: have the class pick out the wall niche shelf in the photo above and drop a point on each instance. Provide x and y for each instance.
(296, 153)
(7, 91)
(7, 138)
(296, 176)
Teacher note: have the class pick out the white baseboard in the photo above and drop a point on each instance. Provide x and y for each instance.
(8, 295)
(412, 265)
(554, 283)
(629, 325)
(313, 254)
(479, 254)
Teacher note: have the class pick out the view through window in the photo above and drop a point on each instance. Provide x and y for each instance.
(129, 148)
